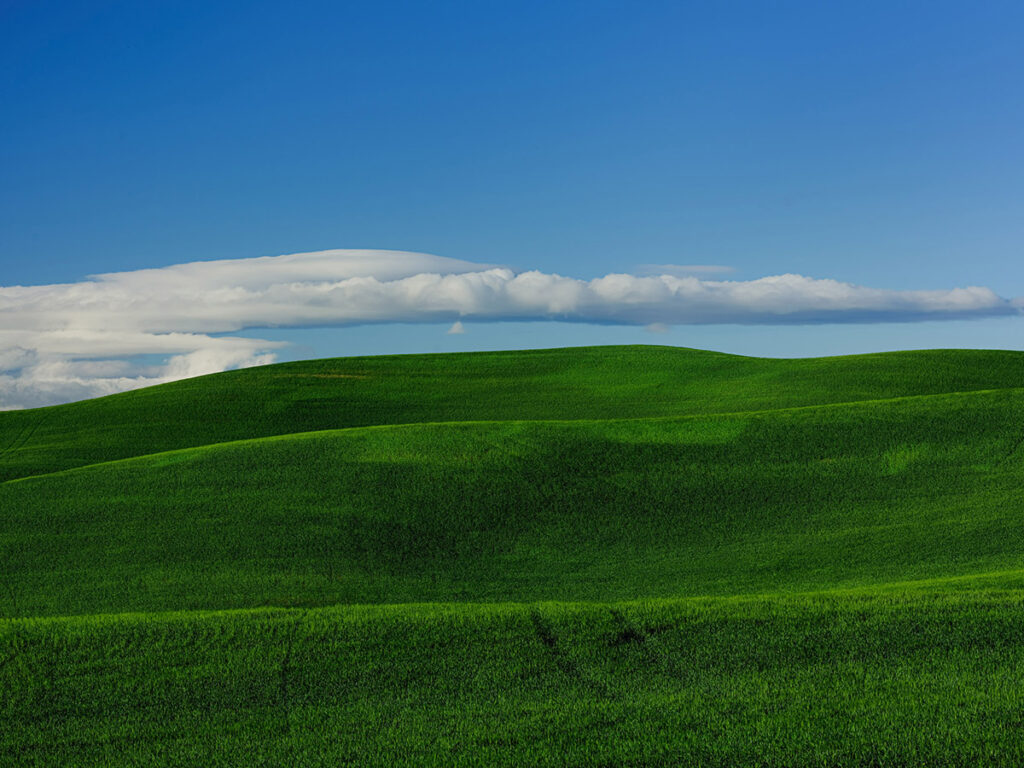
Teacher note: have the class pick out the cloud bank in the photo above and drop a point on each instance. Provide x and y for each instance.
(75, 340)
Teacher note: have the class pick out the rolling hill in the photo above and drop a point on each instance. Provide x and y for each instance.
(607, 555)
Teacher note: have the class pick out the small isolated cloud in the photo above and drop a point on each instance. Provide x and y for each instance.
(456, 329)
(656, 328)
(684, 270)
(71, 341)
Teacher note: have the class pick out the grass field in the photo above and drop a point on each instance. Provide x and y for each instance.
(597, 556)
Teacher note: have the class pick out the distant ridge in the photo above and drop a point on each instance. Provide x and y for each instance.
(567, 383)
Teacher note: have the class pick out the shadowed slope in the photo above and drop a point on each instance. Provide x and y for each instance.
(720, 504)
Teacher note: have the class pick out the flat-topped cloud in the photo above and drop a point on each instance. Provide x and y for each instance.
(68, 341)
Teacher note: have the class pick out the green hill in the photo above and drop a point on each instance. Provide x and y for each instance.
(619, 555)
(577, 383)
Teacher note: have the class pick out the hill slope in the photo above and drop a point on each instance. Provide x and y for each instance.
(619, 556)
(860, 680)
(807, 498)
(581, 383)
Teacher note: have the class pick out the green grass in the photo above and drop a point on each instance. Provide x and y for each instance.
(932, 679)
(580, 383)
(808, 498)
(571, 557)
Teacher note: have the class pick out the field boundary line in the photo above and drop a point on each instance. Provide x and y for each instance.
(912, 588)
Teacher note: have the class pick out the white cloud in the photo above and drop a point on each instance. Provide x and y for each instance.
(68, 341)
(59, 372)
(456, 329)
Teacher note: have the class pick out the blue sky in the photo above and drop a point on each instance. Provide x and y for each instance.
(872, 143)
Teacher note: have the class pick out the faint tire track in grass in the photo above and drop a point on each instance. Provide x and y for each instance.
(10, 590)
(1012, 452)
(547, 637)
(25, 435)
(634, 635)
(14, 440)
(13, 639)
